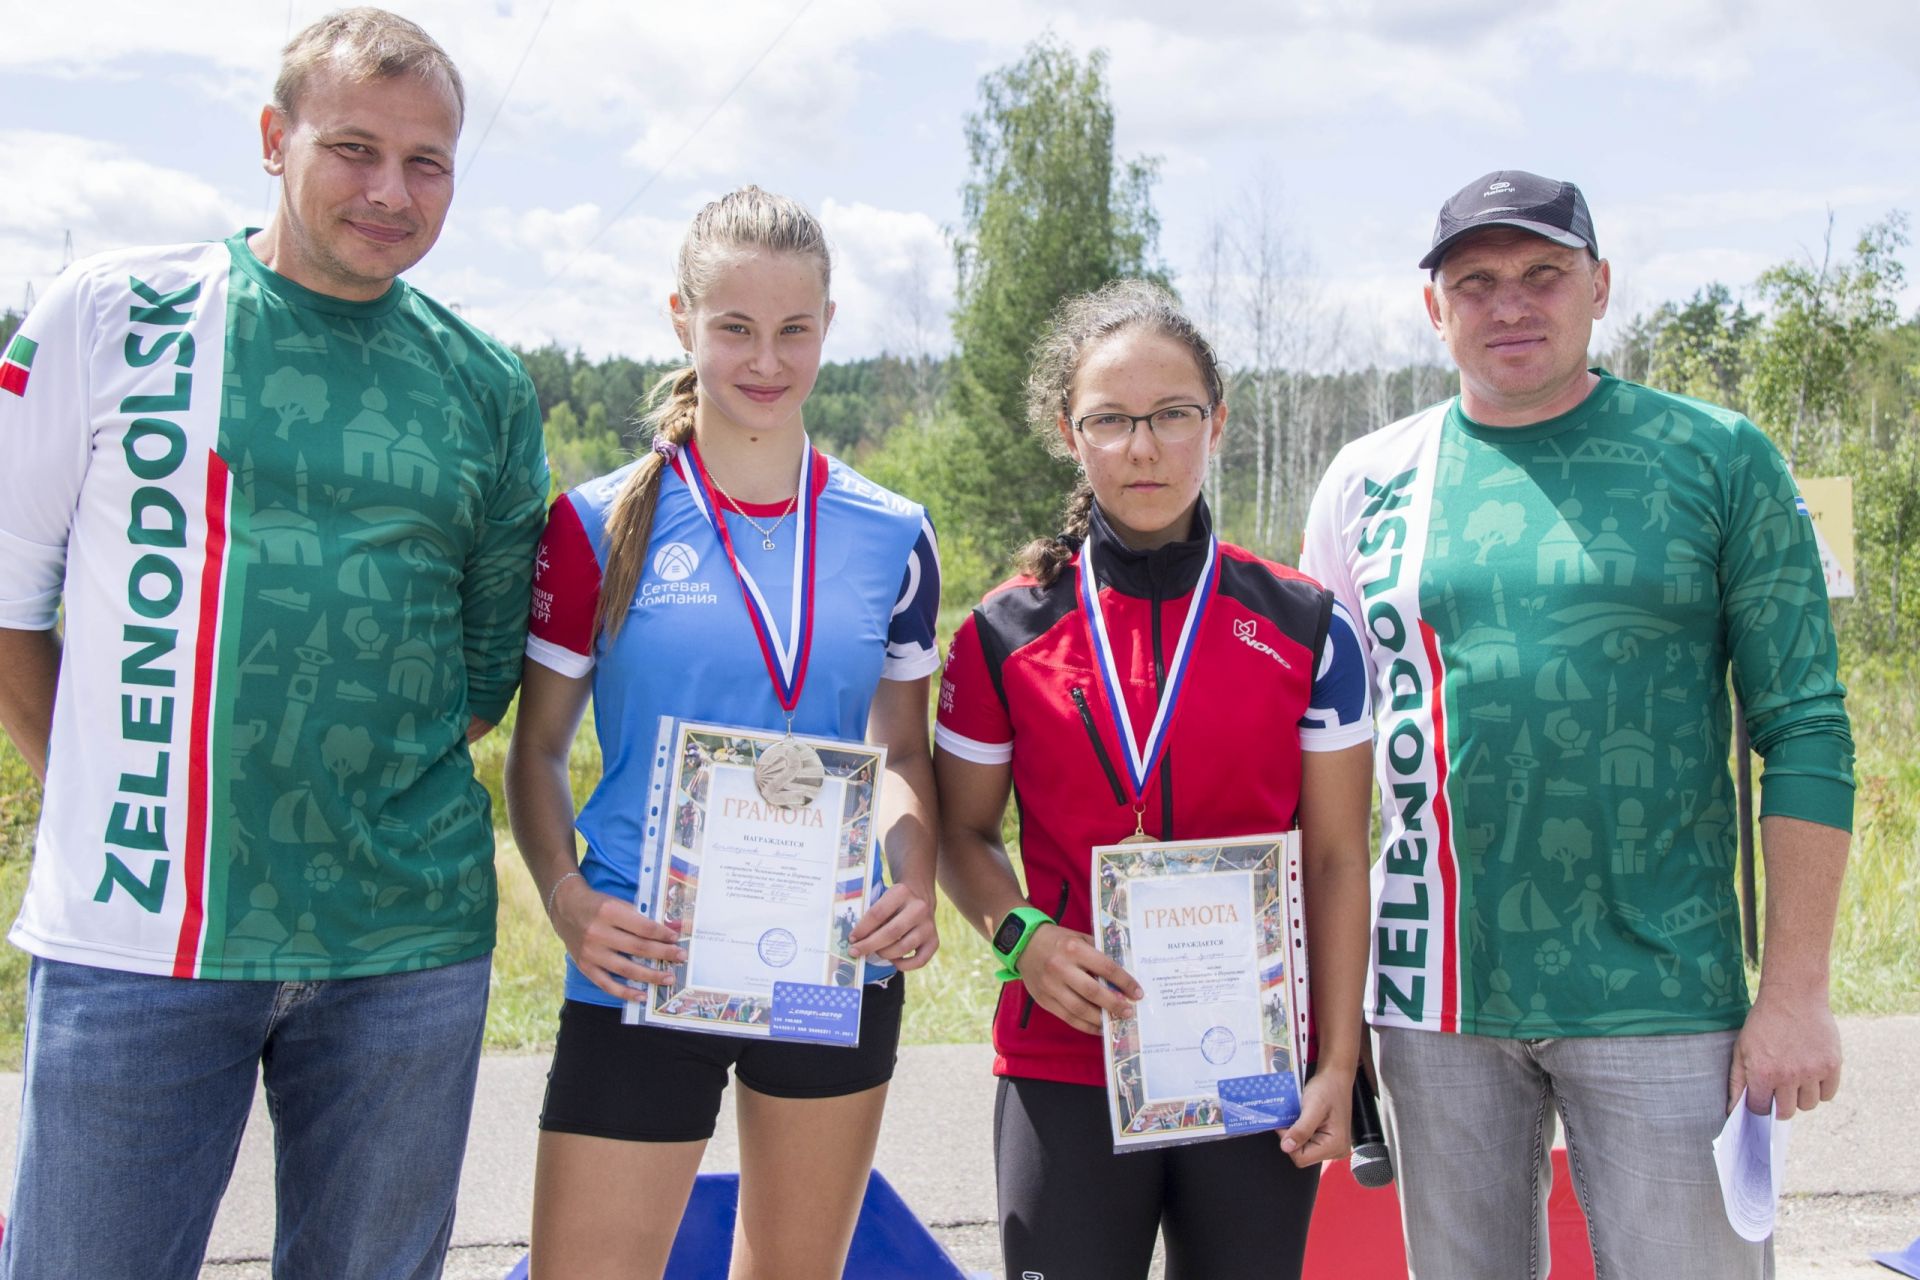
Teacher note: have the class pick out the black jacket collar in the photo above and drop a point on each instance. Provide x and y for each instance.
(1161, 573)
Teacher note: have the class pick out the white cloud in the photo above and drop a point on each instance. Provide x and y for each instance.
(56, 39)
(1690, 211)
(893, 281)
(105, 197)
(543, 286)
(612, 88)
(1675, 276)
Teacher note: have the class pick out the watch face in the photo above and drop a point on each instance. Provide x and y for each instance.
(1007, 936)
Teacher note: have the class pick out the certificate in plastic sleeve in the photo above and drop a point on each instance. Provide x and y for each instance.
(1213, 930)
(765, 896)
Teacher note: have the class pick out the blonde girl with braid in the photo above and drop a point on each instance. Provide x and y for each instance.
(640, 605)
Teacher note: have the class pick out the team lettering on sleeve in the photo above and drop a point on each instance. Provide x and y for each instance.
(972, 722)
(566, 594)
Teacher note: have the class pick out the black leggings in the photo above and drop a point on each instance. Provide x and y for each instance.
(1071, 1209)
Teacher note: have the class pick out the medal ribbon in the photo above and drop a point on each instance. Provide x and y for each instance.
(786, 659)
(1142, 757)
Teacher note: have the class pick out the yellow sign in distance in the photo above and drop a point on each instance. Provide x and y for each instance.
(1829, 501)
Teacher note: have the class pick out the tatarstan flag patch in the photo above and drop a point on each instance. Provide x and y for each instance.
(18, 364)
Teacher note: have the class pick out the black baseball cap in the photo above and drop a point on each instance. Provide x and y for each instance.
(1514, 198)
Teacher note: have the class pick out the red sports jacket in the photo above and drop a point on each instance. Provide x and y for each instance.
(1022, 684)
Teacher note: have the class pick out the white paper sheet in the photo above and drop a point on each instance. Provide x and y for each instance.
(1751, 1157)
(1195, 952)
(762, 881)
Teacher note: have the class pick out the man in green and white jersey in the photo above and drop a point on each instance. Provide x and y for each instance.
(289, 505)
(1558, 572)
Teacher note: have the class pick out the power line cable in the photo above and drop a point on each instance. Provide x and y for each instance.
(466, 170)
(654, 177)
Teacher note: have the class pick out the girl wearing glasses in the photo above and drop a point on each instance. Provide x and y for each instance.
(1264, 704)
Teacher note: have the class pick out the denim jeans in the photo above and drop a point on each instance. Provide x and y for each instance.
(137, 1089)
(1470, 1120)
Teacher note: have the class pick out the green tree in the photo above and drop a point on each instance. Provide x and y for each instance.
(1048, 212)
(551, 370)
(1821, 320)
(1836, 378)
(1702, 349)
(1630, 353)
(1883, 456)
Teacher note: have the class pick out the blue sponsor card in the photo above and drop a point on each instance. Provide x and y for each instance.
(816, 1011)
(1254, 1103)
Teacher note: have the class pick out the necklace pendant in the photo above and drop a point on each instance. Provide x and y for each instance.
(766, 544)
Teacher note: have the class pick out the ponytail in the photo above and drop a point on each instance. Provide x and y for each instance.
(1044, 558)
(630, 521)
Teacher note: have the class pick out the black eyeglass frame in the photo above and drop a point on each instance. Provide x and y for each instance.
(1133, 424)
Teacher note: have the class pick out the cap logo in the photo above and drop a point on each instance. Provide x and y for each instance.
(1497, 188)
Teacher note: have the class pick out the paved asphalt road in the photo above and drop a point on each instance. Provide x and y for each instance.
(1853, 1169)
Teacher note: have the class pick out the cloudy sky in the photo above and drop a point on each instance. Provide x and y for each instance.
(1712, 137)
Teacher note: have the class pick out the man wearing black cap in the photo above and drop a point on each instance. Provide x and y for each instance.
(1559, 572)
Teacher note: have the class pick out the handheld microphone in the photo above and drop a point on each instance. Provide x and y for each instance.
(1370, 1163)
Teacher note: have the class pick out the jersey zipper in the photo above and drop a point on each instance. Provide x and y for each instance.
(1026, 1009)
(1099, 751)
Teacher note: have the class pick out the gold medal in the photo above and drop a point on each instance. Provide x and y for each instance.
(789, 774)
(1139, 835)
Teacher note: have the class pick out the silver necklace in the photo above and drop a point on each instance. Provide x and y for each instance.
(766, 530)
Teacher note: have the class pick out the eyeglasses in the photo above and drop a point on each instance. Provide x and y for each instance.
(1170, 425)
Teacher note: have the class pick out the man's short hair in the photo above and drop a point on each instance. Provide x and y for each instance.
(363, 44)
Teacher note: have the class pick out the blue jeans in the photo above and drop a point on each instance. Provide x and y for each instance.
(1470, 1119)
(137, 1089)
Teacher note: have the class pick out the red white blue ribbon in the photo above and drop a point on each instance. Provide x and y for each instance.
(785, 656)
(1143, 756)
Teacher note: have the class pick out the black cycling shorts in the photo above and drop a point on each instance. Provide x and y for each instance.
(652, 1084)
(1073, 1209)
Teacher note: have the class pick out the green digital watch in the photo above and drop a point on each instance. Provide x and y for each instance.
(1011, 938)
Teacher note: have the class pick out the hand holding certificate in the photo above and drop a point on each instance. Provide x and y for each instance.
(765, 895)
(1215, 1047)
(762, 841)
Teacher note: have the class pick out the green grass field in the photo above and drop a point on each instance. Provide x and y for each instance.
(1876, 952)
(1876, 937)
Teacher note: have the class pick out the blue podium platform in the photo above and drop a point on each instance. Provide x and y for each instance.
(889, 1242)
(1906, 1261)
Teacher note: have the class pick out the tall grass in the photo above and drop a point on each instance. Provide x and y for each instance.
(1876, 937)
